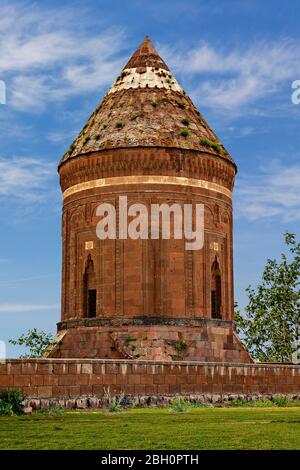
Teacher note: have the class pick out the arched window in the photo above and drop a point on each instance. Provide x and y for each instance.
(90, 292)
(216, 291)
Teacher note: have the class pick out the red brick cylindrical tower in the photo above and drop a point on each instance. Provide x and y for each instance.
(147, 298)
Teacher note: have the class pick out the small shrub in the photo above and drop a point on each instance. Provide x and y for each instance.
(97, 137)
(262, 403)
(119, 124)
(180, 346)
(216, 147)
(154, 103)
(212, 144)
(165, 99)
(114, 403)
(184, 133)
(185, 121)
(181, 105)
(180, 405)
(130, 339)
(6, 409)
(11, 402)
(238, 402)
(280, 401)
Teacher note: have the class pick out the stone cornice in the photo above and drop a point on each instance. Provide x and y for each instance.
(146, 162)
(142, 321)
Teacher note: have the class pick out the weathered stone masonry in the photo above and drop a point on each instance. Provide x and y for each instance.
(70, 382)
(147, 141)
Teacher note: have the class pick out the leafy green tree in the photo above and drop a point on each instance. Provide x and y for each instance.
(270, 326)
(37, 342)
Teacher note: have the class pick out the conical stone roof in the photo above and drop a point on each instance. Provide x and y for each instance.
(146, 107)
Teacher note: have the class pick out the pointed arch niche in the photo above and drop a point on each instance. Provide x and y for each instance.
(90, 291)
(216, 290)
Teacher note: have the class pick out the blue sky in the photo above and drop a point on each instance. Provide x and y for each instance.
(236, 59)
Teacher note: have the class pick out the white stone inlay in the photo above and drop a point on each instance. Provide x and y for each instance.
(146, 179)
(214, 246)
(89, 245)
(153, 78)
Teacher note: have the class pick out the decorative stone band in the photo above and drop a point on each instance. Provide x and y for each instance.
(121, 180)
(143, 322)
(147, 77)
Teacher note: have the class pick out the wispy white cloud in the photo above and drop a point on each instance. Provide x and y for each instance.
(20, 308)
(46, 58)
(234, 78)
(274, 192)
(25, 178)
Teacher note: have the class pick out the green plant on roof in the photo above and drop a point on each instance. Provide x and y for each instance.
(154, 103)
(180, 346)
(97, 136)
(212, 144)
(86, 140)
(181, 105)
(130, 339)
(119, 124)
(165, 99)
(185, 121)
(184, 133)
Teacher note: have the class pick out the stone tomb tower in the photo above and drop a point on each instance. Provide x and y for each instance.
(147, 298)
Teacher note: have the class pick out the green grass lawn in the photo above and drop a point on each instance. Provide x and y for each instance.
(155, 428)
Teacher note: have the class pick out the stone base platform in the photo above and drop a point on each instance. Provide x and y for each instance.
(156, 339)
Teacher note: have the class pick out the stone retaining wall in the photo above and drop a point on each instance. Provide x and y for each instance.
(63, 381)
